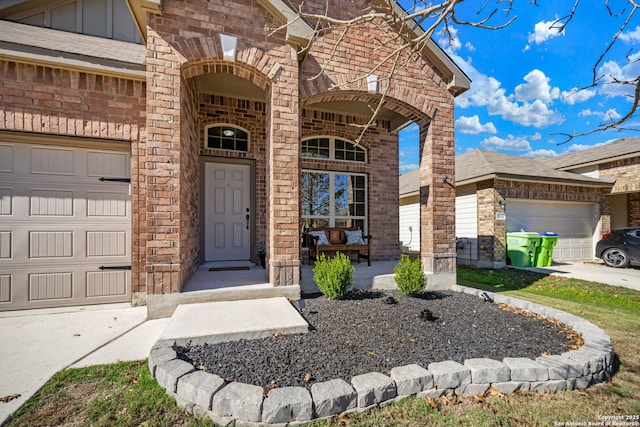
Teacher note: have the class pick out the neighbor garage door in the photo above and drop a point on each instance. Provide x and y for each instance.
(65, 235)
(575, 224)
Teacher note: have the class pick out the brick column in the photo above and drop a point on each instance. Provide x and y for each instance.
(491, 231)
(437, 200)
(283, 174)
(159, 169)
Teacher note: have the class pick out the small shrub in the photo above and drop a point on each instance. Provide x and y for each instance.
(333, 275)
(410, 278)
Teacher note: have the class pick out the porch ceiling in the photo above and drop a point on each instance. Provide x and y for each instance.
(230, 85)
(363, 105)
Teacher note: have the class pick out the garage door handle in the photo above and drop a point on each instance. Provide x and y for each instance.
(115, 267)
(115, 179)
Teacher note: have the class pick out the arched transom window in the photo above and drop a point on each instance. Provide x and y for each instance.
(226, 137)
(332, 148)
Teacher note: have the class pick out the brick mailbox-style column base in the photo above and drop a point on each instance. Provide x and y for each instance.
(285, 272)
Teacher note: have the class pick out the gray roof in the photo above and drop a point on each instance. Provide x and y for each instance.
(409, 182)
(477, 165)
(620, 148)
(44, 45)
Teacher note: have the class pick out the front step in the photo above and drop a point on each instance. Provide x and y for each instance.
(216, 322)
(164, 305)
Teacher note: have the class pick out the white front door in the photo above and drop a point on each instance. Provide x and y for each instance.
(228, 215)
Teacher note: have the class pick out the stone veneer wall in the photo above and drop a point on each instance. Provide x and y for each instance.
(626, 173)
(634, 210)
(207, 394)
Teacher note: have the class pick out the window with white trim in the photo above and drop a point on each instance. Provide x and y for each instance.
(333, 199)
(226, 137)
(333, 149)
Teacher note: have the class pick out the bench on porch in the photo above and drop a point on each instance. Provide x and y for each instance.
(339, 239)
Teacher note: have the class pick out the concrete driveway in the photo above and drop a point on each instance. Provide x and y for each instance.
(38, 343)
(596, 272)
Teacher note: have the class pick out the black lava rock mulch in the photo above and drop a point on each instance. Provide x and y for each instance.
(376, 331)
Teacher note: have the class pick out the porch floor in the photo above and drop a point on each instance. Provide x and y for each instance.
(379, 275)
(252, 283)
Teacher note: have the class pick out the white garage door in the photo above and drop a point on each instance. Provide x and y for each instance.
(65, 235)
(575, 224)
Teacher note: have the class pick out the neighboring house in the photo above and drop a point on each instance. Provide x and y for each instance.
(410, 212)
(619, 160)
(498, 193)
(140, 139)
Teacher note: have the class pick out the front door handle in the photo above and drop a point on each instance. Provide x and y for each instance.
(247, 217)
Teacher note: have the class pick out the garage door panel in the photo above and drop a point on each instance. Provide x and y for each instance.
(106, 243)
(50, 286)
(59, 224)
(5, 288)
(107, 204)
(49, 202)
(107, 164)
(107, 283)
(6, 158)
(6, 200)
(6, 247)
(52, 161)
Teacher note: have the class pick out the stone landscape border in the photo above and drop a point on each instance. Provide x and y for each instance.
(206, 394)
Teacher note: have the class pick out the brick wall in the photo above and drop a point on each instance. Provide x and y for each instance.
(54, 101)
(189, 180)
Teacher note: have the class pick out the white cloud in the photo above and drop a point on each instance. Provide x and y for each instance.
(470, 47)
(536, 87)
(576, 95)
(632, 37)
(536, 136)
(471, 125)
(540, 153)
(610, 114)
(535, 113)
(574, 148)
(407, 167)
(510, 143)
(449, 39)
(544, 31)
(488, 92)
(627, 72)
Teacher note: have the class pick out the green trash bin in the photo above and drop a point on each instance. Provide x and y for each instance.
(544, 253)
(522, 247)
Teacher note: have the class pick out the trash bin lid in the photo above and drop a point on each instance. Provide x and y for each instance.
(547, 233)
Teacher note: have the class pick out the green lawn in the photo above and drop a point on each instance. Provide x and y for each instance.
(124, 394)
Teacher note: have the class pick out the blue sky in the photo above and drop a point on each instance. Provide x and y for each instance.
(524, 78)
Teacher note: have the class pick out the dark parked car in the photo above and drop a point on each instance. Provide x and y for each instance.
(620, 248)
